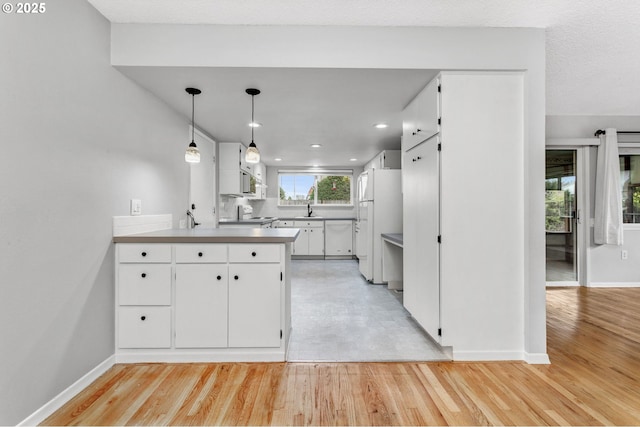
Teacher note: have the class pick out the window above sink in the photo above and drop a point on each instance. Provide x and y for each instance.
(315, 188)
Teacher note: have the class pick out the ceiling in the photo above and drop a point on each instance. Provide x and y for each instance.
(336, 108)
(592, 68)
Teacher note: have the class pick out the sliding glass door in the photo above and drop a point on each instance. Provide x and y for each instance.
(561, 216)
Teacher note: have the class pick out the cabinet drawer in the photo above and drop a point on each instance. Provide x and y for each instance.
(140, 252)
(144, 284)
(197, 253)
(308, 224)
(285, 224)
(144, 327)
(254, 252)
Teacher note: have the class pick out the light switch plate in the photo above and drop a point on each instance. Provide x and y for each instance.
(136, 207)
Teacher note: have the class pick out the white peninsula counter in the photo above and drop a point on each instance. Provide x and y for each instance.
(191, 295)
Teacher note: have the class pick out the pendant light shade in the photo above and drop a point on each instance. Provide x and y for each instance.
(192, 155)
(252, 154)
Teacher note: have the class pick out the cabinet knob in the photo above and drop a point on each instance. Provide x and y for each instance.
(253, 254)
(419, 158)
(235, 277)
(219, 277)
(143, 318)
(143, 275)
(200, 254)
(414, 159)
(144, 254)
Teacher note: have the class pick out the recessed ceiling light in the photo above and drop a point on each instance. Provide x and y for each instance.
(381, 125)
(353, 160)
(254, 125)
(316, 145)
(277, 159)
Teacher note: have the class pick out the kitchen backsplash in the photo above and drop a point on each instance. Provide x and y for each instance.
(269, 208)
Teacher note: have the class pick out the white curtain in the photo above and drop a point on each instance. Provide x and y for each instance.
(608, 198)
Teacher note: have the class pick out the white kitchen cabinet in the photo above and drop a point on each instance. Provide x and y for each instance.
(387, 159)
(310, 242)
(144, 296)
(254, 305)
(463, 238)
(144, 284)
(201, 305)
(339, 238)
(144, 327)
(421, 118)
(235, 173)
(203, 301)
(421, 250)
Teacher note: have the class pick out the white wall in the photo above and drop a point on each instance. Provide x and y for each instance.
(606, 266)
(78, 141)
(381, 47)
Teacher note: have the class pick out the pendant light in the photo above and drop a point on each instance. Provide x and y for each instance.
(192, 155)
(252, 155)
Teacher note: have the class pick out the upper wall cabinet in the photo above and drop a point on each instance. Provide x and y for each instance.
(235, 172)
(421, 118)
(387, 159)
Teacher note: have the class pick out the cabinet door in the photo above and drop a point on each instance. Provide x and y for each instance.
(201, 305)
(254, 305)
(316, 240)
(421, 247)
(427, 117)
(301, 244)
(420, 118)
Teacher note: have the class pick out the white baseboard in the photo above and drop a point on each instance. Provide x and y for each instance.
(205, 357)
(537, 358)
(486, 356)
(56, 403)
(614, 285)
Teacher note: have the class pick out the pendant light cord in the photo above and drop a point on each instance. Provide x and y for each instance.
(193, 129)
(253, 122)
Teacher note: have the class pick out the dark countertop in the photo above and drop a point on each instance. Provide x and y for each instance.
(213, 235)
(306, 218)
(256, 221)
(396, 238)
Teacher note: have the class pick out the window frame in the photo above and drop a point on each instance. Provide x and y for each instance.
(628, 151)
(316, 173)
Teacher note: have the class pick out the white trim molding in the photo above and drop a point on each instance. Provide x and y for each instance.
(537, 358)
(614, 285)
(67, 394)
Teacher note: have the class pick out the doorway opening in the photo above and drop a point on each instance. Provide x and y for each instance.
(561, 217)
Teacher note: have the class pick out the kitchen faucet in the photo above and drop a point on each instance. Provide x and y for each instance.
(192, 220)
(309, 210)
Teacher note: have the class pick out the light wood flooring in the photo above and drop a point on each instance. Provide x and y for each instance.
(594, 379)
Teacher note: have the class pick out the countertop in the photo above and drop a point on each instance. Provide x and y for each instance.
(396, 238)
(213, 235)
(257, 221)
(318, 218)
(267, 220)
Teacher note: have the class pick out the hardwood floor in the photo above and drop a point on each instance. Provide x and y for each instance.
(594, 379)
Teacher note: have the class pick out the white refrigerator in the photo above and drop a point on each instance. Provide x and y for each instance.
(379, 211)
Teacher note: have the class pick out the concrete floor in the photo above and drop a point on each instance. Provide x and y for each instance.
(338, 316)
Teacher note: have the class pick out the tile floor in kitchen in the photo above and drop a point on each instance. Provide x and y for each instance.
(338, 316)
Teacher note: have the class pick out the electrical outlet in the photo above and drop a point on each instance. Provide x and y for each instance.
(624, 254)
(183, 223)
(136, 207)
